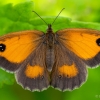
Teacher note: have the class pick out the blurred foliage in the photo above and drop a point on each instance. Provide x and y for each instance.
(84, 10)
(17, 17)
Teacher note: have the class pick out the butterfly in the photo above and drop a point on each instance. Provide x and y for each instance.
(59, 59)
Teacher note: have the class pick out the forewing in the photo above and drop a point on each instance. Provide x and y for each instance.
(16, 47)
(85, 43)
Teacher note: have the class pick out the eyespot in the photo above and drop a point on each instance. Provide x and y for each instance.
(60, 76)
(98, 41)
(42, 77)
(2, 47)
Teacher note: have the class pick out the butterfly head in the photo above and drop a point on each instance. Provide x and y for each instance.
(49, 29)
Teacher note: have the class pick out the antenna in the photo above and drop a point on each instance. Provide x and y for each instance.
(40, 17)
(57, 16)
(45, 21)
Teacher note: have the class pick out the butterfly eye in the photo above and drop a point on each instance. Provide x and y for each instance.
(98, 41)
(2, 47)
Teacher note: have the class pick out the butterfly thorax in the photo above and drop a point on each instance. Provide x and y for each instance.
(50, 37)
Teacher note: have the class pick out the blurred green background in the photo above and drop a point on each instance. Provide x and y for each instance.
(19, 16)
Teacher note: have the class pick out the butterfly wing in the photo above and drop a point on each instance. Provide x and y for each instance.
(75, 48)
(68, 71)
(22, 53)
(84, 43)
(33, 73)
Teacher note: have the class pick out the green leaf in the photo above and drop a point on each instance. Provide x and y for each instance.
(6, 78)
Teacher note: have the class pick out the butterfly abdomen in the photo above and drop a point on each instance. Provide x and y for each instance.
(50, 58)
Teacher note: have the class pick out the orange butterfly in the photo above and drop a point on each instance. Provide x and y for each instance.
(58, 59)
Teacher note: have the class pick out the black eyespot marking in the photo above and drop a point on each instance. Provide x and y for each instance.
(60, 76)
(42, 77)
(2, 47)
(98, 41)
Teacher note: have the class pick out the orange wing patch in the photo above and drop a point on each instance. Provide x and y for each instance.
(33, 71)
(69, 71)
